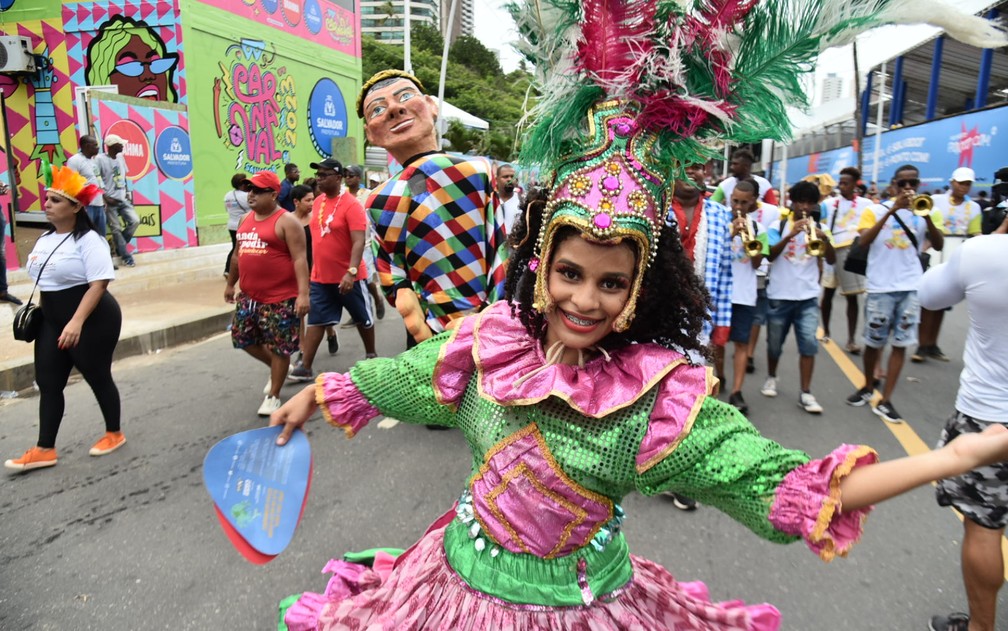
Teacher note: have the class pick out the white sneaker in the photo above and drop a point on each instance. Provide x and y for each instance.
(269, 386)
(808, 403)
(769, 388)
(269, 406)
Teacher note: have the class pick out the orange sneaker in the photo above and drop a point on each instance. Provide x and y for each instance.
(108, 443)
(34, 458)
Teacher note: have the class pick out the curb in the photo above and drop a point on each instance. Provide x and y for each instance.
(21, 377)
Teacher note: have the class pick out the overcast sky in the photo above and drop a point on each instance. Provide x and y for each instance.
(495, 28)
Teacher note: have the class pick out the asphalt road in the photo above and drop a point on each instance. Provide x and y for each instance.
(129, 541)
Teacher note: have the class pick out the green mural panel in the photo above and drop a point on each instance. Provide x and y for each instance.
(259, 98)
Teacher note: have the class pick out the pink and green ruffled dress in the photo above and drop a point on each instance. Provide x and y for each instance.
(534, 541)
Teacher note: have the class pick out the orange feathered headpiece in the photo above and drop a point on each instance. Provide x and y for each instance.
(70, 184)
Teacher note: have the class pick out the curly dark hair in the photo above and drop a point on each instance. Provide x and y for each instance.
(672, 306)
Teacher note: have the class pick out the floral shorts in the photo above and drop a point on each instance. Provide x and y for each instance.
(274, 325)
(981, 495)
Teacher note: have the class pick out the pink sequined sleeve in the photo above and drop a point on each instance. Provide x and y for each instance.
(342, 404)
(807, 502)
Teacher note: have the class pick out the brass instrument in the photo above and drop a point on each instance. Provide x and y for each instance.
(813, 245)
(749, 242)
(921, 205)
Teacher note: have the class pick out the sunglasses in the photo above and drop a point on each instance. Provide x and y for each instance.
(136, 68)
(260, 191)
(914, 182)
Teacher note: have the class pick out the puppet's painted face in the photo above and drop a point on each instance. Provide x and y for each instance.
(400, 115)
(590, 285)
(141, 71)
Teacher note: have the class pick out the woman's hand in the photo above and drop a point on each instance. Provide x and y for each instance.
(293, 414)
(979, 450)
(70, 337)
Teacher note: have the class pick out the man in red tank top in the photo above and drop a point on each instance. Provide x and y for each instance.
(271, 268)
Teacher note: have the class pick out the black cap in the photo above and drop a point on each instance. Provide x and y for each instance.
(353, 170)
(328, 163)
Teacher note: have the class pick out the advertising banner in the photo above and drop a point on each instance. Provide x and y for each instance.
(158, 155)
(318, 21)
(936, 148)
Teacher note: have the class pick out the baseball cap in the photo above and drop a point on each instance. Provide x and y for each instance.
(266, 179)
(328, 163)
(963, 174)
(353, 171)
(112, 139)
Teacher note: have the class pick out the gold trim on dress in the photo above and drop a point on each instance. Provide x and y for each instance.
(480, 370)
(710, 382)
(580, 514)
(832, 505)
(326, 414)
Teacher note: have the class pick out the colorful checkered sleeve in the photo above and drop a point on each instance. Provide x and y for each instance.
(440, 235)
(717, 267)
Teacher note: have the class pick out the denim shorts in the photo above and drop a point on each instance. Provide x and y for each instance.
(760, 315)
(327, 304)
(782, 314)
(981, 495)
(742, 317)
(895, 313)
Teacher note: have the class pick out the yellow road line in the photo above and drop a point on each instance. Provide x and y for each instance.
(907, 437)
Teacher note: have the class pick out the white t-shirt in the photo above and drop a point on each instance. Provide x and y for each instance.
(794, 275)
(75, 262)
(848, 216)
(743, 273)
(86, 166)
(511, 211)
(978, 273)
(237, 206)
(893, 262)
(961, 220)
(728, 185)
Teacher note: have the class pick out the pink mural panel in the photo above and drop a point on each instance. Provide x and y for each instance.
(318, 21)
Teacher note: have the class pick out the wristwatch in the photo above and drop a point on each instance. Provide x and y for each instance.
(352, 271)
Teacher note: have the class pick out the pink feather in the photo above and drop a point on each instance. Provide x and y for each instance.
(664, 110)
(614, 37)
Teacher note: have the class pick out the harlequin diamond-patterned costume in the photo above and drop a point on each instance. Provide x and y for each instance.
(439, 236)
(631, 91)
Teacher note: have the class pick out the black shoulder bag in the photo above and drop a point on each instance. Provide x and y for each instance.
(857, 256)
(923, 257)
(28, 319)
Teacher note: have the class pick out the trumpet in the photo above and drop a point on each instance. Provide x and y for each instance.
(921, 205)
(813, 245)
(752, 246)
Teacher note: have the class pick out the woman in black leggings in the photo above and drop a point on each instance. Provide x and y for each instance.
(81, 320)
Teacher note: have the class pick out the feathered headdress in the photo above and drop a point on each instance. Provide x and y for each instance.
(679, 77)
(70, 184)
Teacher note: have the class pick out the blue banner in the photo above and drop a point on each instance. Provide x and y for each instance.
(936, 148)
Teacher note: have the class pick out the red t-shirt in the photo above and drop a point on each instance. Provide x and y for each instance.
(265, 268)
(332, 220)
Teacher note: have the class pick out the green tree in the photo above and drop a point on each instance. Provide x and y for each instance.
(471, 53)
(474, 82)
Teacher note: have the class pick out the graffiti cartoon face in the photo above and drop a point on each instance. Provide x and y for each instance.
(141, 71)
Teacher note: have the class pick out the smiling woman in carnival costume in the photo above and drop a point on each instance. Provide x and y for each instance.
(576, 391)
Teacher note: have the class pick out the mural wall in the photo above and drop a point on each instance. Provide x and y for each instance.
(158, 157)
(261, 97)
(274, 82)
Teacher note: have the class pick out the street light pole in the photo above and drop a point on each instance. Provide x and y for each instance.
(441, 126)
